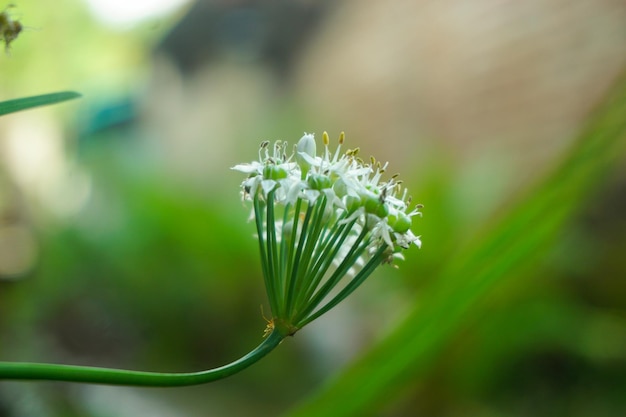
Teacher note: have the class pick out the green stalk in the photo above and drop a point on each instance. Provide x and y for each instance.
(325, 260)
(272, 253)
(348, 289)
(94, 375)
(283, 258)
(291, 282)
(327, 239)
(267, 277)
(355, 252)
(303, 277)
(290, 253)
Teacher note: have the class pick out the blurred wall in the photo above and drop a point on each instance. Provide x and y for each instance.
(508, 79)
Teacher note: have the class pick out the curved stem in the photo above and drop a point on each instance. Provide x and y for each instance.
(94, 375)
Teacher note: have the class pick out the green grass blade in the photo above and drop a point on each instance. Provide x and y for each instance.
(500, 253)
(18, 104)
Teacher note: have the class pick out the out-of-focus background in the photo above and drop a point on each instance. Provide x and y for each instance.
(124, 242)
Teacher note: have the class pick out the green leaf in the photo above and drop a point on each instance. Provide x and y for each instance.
(501, 253)
(18, 104)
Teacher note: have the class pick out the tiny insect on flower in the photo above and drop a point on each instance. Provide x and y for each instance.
(9, 28)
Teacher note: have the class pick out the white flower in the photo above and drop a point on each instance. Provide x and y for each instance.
(305, 149)
(273, 172)
(344, 216)
(353, 188)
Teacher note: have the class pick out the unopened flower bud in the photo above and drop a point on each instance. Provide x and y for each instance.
(340, 187)
(319, 182)
(399, 222)
(274, 172)
(374, 205)
(305, 152)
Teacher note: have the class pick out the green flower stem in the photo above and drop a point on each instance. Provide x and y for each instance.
(324, 261)
(272, 252)
(258, 210)
(93, 375)
(297, 267)
(290, 253)
(284, 260)
(355, 252)
(348, 289)
(303, 278)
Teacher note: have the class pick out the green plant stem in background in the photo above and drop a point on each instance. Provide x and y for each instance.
(502, 253)
(93, 375)
(18, 104)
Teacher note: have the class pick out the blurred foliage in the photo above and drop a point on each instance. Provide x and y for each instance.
(512, 247)
(62, 47)
(517, 310)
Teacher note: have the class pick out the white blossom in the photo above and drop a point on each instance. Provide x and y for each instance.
(353, 188)
(321, 218)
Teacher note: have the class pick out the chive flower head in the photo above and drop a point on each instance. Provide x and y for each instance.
(324, 222)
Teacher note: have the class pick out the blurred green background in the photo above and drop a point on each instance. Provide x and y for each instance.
(124, 241)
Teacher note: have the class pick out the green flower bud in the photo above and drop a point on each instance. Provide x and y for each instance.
(373, 205)
(340, 188)
(306, 145)
(274, 172)
(319, 182)
(399, 222)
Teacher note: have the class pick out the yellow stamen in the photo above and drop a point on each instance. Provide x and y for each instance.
(325, 138)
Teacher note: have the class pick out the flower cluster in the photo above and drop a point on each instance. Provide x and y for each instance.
(320, 219)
